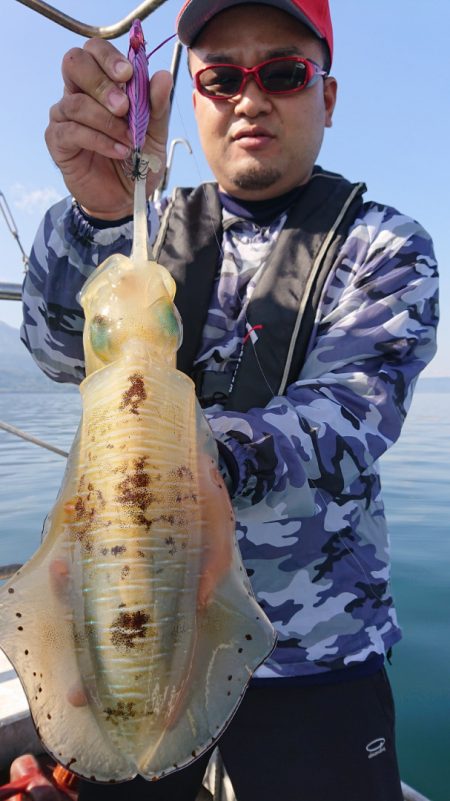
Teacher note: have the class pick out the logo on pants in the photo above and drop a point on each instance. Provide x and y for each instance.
(376, 747)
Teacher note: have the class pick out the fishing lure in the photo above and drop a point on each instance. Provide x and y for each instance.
(134, 629)
(138, 96)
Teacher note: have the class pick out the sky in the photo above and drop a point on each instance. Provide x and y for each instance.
(391, 126)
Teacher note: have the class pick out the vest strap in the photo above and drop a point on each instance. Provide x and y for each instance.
(189, 245)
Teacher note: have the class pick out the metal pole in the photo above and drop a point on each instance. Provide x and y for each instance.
(11, 223)
(103, 31)
(174, 68)
(175, 63)
(10, 291)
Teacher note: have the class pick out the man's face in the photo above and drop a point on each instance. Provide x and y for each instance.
(259, 145)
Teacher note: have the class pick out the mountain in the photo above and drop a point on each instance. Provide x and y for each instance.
(18, 371)
(432, 384)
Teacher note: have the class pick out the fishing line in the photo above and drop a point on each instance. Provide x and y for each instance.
(161, 44)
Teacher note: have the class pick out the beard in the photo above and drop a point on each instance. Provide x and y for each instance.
(256, 178)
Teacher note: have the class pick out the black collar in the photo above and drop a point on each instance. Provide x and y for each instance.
(261, 212)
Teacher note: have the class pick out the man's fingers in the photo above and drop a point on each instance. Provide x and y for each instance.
(161, 85)
(83, 71)
(66, 139)
(218, 529)
(160, 89)
(22, 766)
(110, 59)
(83, 109)
(40, 788)
(60, 579)
(86, 112)
(158, 127)
(88, 133)
(206, 587)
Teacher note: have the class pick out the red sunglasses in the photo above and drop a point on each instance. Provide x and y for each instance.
(277, 76)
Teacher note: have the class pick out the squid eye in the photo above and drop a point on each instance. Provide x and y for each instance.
(168, 319)
(100, 335)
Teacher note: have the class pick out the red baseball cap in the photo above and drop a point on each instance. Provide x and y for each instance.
(315, 14)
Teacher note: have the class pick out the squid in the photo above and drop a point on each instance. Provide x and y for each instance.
(133, 628)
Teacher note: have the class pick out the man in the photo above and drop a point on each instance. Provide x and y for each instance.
(308, 315)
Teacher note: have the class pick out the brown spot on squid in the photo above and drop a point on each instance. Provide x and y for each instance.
(133, 397)
(127, 628)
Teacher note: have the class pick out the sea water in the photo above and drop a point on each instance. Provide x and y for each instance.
(416, 480)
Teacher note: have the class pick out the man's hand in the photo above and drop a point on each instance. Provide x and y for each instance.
(218, 529)
(88, 135)
(38, 787)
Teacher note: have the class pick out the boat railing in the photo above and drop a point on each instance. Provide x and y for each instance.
(17, 432)
(12, 228)
(409, 794)
(10, 291)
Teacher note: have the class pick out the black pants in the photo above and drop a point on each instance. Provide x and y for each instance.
(318, 743)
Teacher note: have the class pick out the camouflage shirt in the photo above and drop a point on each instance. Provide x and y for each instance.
(306, 486)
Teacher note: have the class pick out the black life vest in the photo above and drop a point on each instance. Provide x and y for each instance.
(286, 297)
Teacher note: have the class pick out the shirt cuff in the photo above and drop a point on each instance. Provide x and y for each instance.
(90, 230)
(95, 222)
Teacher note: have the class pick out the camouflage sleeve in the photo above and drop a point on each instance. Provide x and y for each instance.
(375, 332)
(68, 247)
